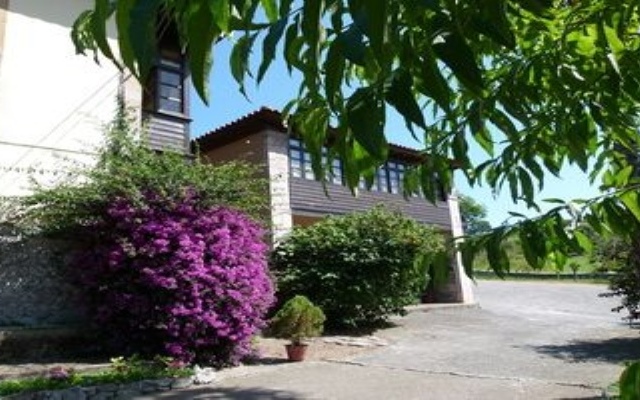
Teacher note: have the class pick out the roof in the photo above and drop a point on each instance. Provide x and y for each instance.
(267, 118)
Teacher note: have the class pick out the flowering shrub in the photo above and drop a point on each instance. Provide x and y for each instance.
(59, 373)
(171, 277)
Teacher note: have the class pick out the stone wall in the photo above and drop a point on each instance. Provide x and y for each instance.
(35, 287)
(113, 391)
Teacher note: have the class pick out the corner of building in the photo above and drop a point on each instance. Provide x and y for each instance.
(277, 148)
(463, 284)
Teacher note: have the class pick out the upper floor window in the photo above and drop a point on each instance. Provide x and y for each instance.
(166, 91)
(388, 177)
(300, 163)
(170, 85)
(395, 171)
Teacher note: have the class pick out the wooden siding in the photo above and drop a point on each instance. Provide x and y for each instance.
(308, 198)
(166, 132)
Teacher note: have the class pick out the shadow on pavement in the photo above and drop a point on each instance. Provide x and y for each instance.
(615, 350)
(211, 392)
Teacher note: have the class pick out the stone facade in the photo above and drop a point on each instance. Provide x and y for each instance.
(35, 288)
(279, 196)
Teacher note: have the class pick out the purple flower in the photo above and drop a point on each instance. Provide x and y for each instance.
(174, 278)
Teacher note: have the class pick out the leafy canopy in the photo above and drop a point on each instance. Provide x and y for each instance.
(537, 84)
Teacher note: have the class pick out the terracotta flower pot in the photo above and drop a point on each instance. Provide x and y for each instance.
(296, 352)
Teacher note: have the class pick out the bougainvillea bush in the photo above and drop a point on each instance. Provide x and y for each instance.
(171, 277)
(167, 266)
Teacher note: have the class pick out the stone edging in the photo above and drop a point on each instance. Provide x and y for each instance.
(110, 391)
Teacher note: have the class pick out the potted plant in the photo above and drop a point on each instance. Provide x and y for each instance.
(298, 319)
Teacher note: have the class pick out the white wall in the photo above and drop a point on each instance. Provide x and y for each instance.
(464, 286)
(53, 103)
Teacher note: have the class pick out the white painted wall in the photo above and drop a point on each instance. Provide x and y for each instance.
(464, 285)
(53, 103)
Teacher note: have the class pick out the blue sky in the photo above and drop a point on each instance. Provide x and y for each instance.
(227, 104)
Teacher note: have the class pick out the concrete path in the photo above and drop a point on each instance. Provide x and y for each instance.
(525, 341)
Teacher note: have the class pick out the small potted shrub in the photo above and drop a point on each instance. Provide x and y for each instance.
(297, 320)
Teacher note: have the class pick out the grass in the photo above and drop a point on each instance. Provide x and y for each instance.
(544, 276)
(121, 371)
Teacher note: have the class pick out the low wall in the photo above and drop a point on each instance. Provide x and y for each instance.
(35, 287)
(113, 391)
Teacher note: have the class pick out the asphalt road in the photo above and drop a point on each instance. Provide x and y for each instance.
(525, 341)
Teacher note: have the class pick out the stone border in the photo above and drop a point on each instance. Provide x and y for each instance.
(110, 391)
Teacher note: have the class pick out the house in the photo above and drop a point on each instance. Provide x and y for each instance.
(54, 104)
(296, 198)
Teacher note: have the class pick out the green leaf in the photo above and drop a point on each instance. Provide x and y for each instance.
(123, 22)
(496, 255)
(527, 185)
(269, 46)
(353, 46)
(142, 34)
(630, 200)
(478, 129)
(103, 10)
(270, 9)
(583, 241)
(334, 70)
(310, 27)
(81, 36)
(312, 125)
(554, 201)
(221, 11)
(539, 7)
(629, 383)
(365, 118)
(430, 82)
(456, 53)
(239, 60)
(292, 45)
(493, 22)
(614, 217)
(202, 30)
(376, 25)
(533, 166)
(528, 238)
(398, 93)
(615, 44)
(468, 251)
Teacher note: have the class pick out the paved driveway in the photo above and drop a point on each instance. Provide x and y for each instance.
(525, 341)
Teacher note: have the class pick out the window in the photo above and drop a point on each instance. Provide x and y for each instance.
(300, 163)
(388, 177)
(381, 184)
(396, 175)
(300, 160)
(336, 172)
(165, 91)
(170, 86)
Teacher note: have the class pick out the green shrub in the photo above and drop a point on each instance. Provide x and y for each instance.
(297, 320)
(121, 371)
(127, 168)
(359, 268)
(166, 257)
